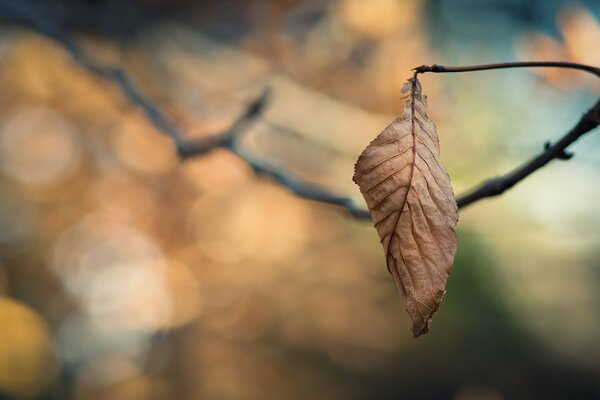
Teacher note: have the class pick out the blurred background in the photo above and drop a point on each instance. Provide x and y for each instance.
(126, 273)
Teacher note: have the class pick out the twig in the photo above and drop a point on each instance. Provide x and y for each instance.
(229, 139)
(299, 187)
(498, 185)
(519, 64)
(186, 148)
(197, 146)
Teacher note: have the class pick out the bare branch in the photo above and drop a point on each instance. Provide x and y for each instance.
(497, 186)
(197, 146)
(229, 139)
(519, 64)
(299, 187)
(188, 148)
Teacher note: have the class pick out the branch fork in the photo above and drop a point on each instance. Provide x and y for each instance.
(188, 148)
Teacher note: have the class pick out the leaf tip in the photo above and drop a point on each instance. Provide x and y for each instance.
(420, 326)
(419, 332)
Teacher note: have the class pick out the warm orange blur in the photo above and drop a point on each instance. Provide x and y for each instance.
(129, 274)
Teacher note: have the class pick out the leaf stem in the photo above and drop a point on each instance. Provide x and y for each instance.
(519, 64)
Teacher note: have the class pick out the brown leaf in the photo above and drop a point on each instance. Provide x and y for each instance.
(412, 205)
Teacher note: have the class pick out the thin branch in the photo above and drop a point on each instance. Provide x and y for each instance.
(519, 64)
(127, 88)
(497, 186)
(198, 146)
(188, 148)
(229, 139)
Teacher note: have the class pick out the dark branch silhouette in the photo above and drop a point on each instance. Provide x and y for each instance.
(229, 139)
(517, 64)
(186, 147)
(496, 186)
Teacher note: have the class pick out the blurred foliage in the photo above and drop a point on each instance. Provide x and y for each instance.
(197, 280)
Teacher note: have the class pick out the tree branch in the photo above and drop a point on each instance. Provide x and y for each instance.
(186, 148)
(229, 139)
(519, 64)
(497, 186)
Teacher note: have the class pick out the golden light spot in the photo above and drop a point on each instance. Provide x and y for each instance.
(38, 146)
(129, 297)
(260, 222)
(377, 18)
(581, 32)
(215, 171)
(28, 362)
(138, 145)
(117, 273)
(122, 195)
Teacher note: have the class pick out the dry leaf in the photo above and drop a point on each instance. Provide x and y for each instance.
(412, 205)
